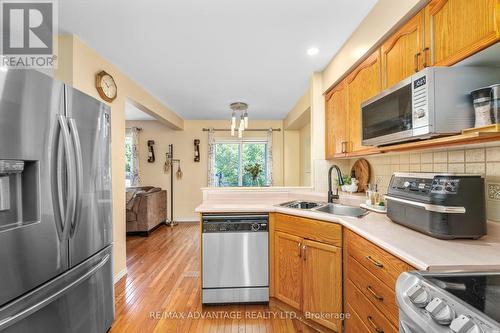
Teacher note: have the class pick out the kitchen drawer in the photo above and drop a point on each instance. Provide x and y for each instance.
(377, 292)
(380, 263)
(369, 314)
(354, 324)
(324, 232)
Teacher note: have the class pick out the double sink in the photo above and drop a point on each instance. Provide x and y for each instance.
(329, 208)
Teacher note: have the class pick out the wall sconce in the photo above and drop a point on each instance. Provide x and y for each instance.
(151, 151)
(196, 150)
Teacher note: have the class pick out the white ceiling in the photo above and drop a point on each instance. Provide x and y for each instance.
(134, 113)
(198, 56)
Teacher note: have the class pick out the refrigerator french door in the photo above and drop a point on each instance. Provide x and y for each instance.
(89, 124)
(55, 207)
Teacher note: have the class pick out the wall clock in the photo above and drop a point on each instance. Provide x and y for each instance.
(106, 86)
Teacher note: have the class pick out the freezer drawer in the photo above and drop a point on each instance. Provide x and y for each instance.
(235, 259)
(78, 301)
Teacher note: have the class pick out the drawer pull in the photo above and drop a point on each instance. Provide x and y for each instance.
(373, 261)
(374, 294)
(375, 327)
(300, 249)
(304, 248)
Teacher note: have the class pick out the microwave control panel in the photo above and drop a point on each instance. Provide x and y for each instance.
(420, 105)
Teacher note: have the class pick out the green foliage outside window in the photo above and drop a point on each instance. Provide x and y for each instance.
(235, 163)
(128, 159)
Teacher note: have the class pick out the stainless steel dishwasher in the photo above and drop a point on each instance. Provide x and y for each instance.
(235, 252)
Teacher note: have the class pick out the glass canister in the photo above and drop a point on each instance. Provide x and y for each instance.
(495, 102)
(481, 98)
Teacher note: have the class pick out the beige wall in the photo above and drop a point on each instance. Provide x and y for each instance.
(305, 155)
(296, 117)
(78, 66)
(187, 194)
(292, 158)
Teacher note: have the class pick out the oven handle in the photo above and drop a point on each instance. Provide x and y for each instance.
(430, 207)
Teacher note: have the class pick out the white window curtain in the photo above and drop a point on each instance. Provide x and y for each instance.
(270, 157)
(135, 179)
(211, 158)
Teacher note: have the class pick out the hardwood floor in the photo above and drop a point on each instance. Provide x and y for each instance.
(161, 292)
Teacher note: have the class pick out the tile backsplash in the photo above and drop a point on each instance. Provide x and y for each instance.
(484, 161)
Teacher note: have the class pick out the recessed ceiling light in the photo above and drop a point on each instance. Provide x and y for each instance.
(313, 51)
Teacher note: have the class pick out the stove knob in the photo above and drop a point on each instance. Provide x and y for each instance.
(440, 311)
(418, 295)
(406, 184)
(464, 324)
(255, 227)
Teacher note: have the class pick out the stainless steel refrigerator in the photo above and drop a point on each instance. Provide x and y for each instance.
(55, 207)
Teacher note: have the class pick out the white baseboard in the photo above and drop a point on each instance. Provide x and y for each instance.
(118, 276)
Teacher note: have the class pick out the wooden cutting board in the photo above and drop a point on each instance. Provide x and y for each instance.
(361, 170)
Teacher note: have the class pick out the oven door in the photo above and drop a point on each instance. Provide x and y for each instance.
(387, 117)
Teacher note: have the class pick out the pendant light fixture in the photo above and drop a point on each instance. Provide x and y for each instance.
(241, 109)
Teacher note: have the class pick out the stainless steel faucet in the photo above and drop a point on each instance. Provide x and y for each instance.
(335, 196)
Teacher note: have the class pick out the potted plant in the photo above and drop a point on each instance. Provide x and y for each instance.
(254, 170)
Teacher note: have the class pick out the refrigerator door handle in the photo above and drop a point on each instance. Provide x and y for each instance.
(79, 175)
(70, 165)
(55, 183)
(19, 315)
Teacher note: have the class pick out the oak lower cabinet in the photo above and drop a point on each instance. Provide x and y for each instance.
(288, 268)
(370, 275)
(322, 283)
(456, 29)
(308, 268)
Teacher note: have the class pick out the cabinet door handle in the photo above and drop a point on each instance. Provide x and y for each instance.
(375, 262)
(375, 327)
(300, 249)
(304, 248)
(344, 146)
(416, 61)
(374, 294)
(425, 56)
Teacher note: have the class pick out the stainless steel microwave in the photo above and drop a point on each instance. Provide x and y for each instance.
(432, 102)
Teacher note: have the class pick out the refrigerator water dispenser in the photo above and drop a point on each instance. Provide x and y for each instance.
(18, 192)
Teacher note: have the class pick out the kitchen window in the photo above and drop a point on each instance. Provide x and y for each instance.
(241, 163)
(128, 161)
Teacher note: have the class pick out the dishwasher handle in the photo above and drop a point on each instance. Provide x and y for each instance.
(235, 217)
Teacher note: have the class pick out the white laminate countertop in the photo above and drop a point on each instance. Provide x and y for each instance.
(421, 251)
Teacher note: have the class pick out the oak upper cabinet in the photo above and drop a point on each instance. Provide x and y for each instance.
(456, 29)
(288, 269)
(336, 125)
(362, 83)
(402, 53)
(322, 279)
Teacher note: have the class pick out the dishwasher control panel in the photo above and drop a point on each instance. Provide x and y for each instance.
(235, 223)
